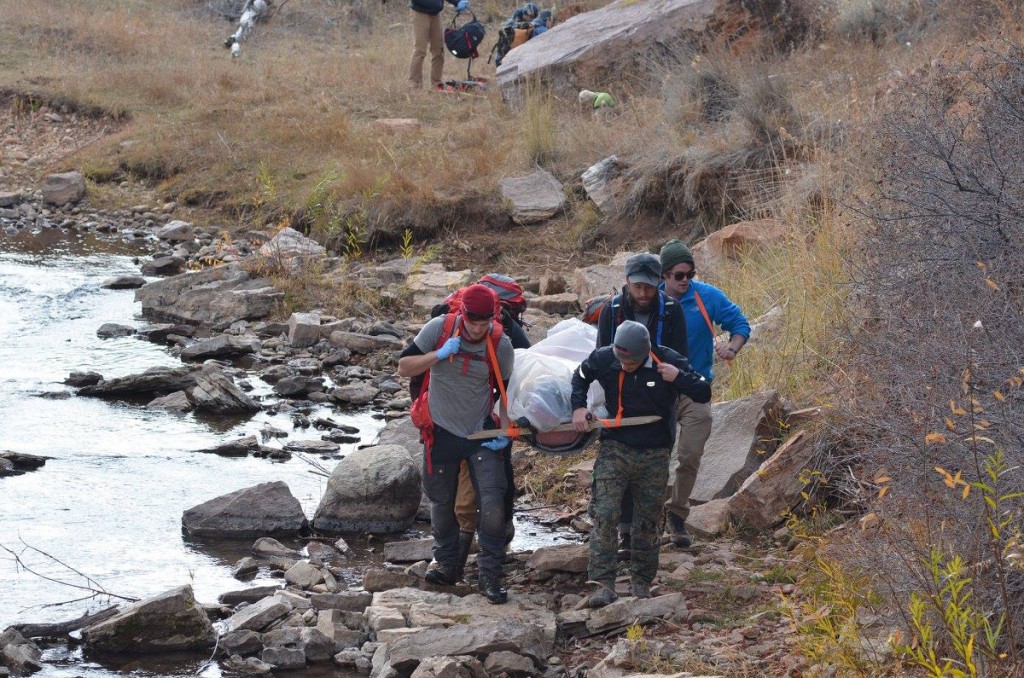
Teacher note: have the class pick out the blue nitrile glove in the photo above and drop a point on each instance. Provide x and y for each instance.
(448, 349)
(497, 444)
(462, 6)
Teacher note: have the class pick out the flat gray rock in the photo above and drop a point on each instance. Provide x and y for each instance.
(374, 489)
(534, 197)
(265, 509)
(169, 622)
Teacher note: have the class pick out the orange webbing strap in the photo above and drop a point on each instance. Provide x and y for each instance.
(622, 378)
(707, 319)
(513, 430)
(618, 415)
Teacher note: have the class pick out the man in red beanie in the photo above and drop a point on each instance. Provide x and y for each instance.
(464, 368)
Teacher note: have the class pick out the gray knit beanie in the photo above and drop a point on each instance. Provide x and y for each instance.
(632, 341)
(673, 253)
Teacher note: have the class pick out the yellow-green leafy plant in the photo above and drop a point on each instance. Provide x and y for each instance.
(407, 243)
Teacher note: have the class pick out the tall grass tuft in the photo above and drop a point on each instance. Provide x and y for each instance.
(538, 127)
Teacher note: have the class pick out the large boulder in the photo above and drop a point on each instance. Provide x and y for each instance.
(265, 509)
(62, 189)
(169, 622)
(730, 242)
(601, 49)
(470, 639)
(221, 294)
(431, 283)
(743, 433)
(375, 489)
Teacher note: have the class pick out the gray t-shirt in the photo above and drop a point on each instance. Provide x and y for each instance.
(460, 387)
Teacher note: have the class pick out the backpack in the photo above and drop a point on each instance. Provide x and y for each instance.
(509, 292)
(463, 41)
(419, 412)
(594, 305)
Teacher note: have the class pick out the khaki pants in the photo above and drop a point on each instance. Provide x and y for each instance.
(694, 431)
(427, 32)
(465, 501)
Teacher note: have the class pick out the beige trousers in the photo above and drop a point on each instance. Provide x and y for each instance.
(694, 431)
(426, 30)
(465, 500)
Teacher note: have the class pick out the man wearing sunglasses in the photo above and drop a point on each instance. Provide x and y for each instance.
(643, 302)
(704, 306)
(460, 396)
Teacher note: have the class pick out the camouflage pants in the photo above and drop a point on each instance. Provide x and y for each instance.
(619, 467)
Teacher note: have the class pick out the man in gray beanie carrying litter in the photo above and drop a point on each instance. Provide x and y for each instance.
(638, 380)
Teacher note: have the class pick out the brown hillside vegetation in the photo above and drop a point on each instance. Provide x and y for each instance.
(887, 140)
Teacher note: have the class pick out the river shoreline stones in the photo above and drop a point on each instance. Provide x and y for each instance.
(375, 489)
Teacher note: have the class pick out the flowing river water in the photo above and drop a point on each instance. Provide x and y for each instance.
(108, 502)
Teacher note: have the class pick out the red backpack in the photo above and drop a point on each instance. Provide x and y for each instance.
(420, 410)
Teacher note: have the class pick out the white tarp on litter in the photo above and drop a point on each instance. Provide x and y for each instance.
(541, 383)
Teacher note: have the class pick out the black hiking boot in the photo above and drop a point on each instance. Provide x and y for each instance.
(465, 545)
(442, 574)
(679, 536)
(492, 588)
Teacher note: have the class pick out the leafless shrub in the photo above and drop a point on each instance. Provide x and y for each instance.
(943, 253)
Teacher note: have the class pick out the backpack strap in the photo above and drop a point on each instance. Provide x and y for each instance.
(618, 315)
(661, 316)
(448, 329)
(707, 319)
(513, 430)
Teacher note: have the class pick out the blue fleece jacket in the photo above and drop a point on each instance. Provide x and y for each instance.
(721, 310)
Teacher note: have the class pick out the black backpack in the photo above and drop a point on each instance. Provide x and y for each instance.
(463, 41)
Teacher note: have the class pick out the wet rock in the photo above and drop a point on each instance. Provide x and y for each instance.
(112, 330)
(250, 595)
(241, 447)
(318, 447)
(355, 394)
(344, 628)
(284, 658)
(259, 615)
(62, 189)
(163, 266)
(17, 463)
(297, 386)
(171, 621)
(303, 575)
(243, 642)
(375, 489)
(163, 333)
(83, 378)
(19, 654)
(268, 547)
(449, 667)
(245, 568)
(316, 646)
(353, 661)
(265, 509)
(564, 558)
(123, 282)
(173, 402)
(154, 381)
(221, 346)
(214, 392)
(249, 666)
